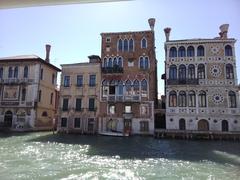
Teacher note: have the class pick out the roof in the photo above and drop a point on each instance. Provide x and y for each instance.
(25, 58)
(201, 40)
(127, 32)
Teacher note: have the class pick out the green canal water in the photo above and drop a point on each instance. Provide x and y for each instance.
(47, 156)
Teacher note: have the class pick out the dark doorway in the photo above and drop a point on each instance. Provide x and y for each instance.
(182, 124)
(127, 125)
(203, 125)
(224, 125)
(160, 121)
(8, 119)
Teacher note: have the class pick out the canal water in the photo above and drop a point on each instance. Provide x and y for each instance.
(47, 156)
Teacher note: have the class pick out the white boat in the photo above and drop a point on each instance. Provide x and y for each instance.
(118, 134)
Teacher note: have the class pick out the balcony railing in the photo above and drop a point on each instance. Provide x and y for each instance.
(126, 98)
(109, 70)
(182, 81)
(16, 81)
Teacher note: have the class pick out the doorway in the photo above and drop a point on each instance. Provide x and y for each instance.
(8, 119)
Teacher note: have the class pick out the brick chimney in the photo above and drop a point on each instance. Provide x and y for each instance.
(167, 33)
(223, 31)
(151, 23)
(48, 48)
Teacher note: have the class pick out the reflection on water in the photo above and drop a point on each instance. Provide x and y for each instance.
(47, 156)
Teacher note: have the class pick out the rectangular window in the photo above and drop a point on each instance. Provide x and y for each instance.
(78, 104)
(144, 126)
(79, 80)
(66, 81)
(128, 109)
(144, 109)
(65, 104)
(51, 98)
(53, 78)
(92, 80)
(90, 124)
(41, 74)
(112, 109)
(91, 104)
(64, 122)
(77, 123)
(39, 95)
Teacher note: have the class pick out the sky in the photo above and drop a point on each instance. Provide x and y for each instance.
(74, 30)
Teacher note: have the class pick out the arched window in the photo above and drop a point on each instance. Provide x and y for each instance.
(15, 72)
(232, 99)
(105, 88)
(191, 99)
(105, 62)
(1, 72)
(144, 88)
(181, 52)
(120, 88)
(182, 99)
(144, 43)
(224, 125)
(173, 52)
(173, 72)
(200, 51)
(229, 71)
(120, 45)
(182, 124)
(144, 62)
(141, 63)
(131, 45)
(201, 71)
(190, 51)
(125, 45)
(172, 99)
(23, 94)
(136, 86)
(10, 72)
(228, 50)
(128, 86)
(44, 114)
(182, 72)
(110, 63)
(25, 72)
(115, 63)
(191, 71)
(120, 62)
(202, 99)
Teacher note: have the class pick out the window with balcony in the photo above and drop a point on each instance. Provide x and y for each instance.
(10, 72)
(200, 51)
(120, 62)
(105, 88)
(131, 45)
(182, 72)
(229, 71)
(144, 126)
(15, 75)
(120, 45)
(173, 52)
(136, 87)
(144, 88)
(173, 72)
(1, 72)
(191, 71)
(128, 109)
(77, 122)
(201, 71)
(110, 63)
(115, 62)
(144, 43)
(112, 87)
(232, 99)
(172, 99)
(23, 94)
(65, 104)
(92, 80)
(25, 72)
(120, 88)
(228, 50)
(105, 63)
(128, 86)
(181, 52)
(79, 80)
(91, 104)
(182, 99)
(66, 82)
(190, 51)
(202, 99)
(64, 122)
(191, 99)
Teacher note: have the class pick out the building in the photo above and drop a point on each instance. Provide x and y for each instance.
(27, 92)
(79, 97)
(129, 82)
(201, 84)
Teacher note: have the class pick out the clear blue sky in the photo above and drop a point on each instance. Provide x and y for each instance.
(74, 30)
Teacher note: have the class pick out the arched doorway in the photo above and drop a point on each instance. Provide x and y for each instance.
(224, 125)
(8, 119)
(182, 124)
(203, 125)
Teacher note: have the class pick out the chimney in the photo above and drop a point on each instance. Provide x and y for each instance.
(48, 47)
(224, 30)
(167, 33)
(151, 23)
